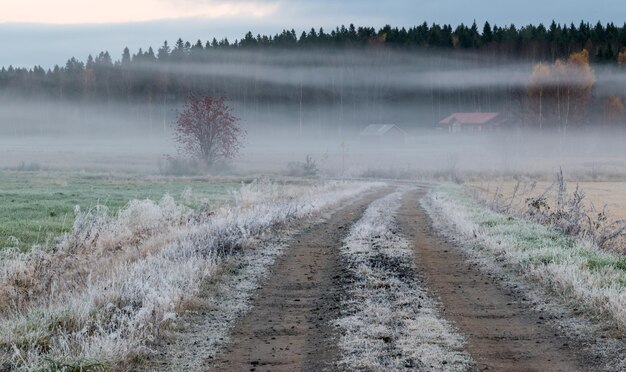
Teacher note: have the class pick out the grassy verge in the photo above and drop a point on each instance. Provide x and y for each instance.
(574, 268)
(37, 207)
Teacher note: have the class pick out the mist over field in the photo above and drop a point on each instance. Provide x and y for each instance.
(294, 103)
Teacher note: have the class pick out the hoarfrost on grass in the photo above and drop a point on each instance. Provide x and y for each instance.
(574, 268)
(111, 287)
(388, 321)
(230, 299)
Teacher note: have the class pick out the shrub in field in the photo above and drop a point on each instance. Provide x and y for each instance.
(175, 166)
(570, 215)
(28, 167)
(306, 169)
(388, 173)
(558, 208)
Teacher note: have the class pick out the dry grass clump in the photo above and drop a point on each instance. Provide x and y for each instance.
(556, 207)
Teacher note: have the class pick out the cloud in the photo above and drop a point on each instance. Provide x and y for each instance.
(119, 11)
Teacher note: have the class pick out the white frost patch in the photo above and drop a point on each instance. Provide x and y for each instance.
(388, 321)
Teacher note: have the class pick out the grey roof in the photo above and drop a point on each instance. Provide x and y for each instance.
(470, 118)
(379, 129)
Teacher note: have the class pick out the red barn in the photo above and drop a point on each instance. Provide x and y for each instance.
(471, 122)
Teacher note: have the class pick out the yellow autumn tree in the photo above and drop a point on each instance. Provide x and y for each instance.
(578, 87)
(559, 94)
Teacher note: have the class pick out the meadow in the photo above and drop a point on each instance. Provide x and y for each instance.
(38, 207)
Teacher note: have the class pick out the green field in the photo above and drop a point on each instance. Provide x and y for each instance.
(36, 207)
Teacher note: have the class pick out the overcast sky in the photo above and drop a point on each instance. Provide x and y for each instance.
(47, 32)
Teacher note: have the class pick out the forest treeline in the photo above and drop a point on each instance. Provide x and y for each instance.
(168, 74)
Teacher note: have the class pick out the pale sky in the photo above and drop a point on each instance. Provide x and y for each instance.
(48, 32)
(65, 12)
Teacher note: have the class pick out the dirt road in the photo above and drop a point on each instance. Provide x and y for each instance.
(289, 326)
(503, 332)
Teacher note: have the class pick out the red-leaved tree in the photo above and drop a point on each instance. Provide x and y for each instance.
(207, 129)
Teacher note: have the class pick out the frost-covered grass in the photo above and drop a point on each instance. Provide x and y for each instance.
(37, 207)
(574, 268)
(111, 287)
(388, 320)
(207, 325)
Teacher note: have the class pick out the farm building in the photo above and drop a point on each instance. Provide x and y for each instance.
(472, 122)
(382, 134)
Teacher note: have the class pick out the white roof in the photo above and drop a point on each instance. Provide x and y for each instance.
(378, 129)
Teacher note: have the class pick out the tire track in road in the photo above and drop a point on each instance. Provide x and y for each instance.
(504, 333)
(289, 327)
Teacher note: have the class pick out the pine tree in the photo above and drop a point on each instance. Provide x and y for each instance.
(487, 33)
(126, 57)
(163, 54)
